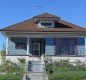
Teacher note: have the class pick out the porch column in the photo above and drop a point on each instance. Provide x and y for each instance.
(28, 46)
(7, 46)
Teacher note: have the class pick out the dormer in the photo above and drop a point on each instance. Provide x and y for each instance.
(46, 20)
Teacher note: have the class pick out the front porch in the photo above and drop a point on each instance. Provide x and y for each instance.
(61, 46)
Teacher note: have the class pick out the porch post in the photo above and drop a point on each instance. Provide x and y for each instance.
(27, 45)
(7, 46)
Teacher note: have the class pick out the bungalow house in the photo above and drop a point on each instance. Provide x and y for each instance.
(45, 34)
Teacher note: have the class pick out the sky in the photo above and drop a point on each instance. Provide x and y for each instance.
(15, 11)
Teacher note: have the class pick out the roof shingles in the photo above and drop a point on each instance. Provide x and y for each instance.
(30, 25)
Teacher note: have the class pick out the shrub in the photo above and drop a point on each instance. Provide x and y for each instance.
(65, 65)
(49, 68)
(65, 70)
(81, 66)
(3, 56)
(69, 75)
(10, 77)
(62, 65)
(22, 62)
(11, 68)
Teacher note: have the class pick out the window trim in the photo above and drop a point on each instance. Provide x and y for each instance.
(40, 22)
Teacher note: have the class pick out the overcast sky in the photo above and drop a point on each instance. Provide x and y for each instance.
(15, 11)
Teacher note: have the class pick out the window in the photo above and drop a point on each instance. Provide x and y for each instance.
(20, 46)
(44, 24)
(65, 46)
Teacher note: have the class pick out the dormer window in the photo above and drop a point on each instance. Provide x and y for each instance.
(49, 24)
(46, 24)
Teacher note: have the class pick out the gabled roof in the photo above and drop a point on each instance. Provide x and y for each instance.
(31, 26)
(46, 15)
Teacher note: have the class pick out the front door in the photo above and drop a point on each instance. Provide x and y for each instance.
(36, 48)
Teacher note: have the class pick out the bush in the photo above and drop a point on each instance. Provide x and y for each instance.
(65, 65)
(3, 56)
(62, 65)
(65, 70)
(68, 75)
(10, 77)
(14, 71)
(49, 67)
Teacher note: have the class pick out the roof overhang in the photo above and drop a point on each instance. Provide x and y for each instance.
(45, 34)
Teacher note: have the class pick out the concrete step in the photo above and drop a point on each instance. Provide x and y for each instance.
(38, 74)
(35, 77)
(34, 62)
(35, 70)
(35, 66)
(34, 58)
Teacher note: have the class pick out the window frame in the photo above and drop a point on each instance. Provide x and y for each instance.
(41, 26)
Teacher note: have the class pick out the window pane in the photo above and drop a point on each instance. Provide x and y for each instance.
(36, 52)
(20, 45)
(65, 46)
(36, 46)
(46, 24)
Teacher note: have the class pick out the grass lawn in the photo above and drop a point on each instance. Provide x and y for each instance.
(10, 77)
(68, 75)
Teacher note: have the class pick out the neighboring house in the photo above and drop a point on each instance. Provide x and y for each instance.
(45, 34)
